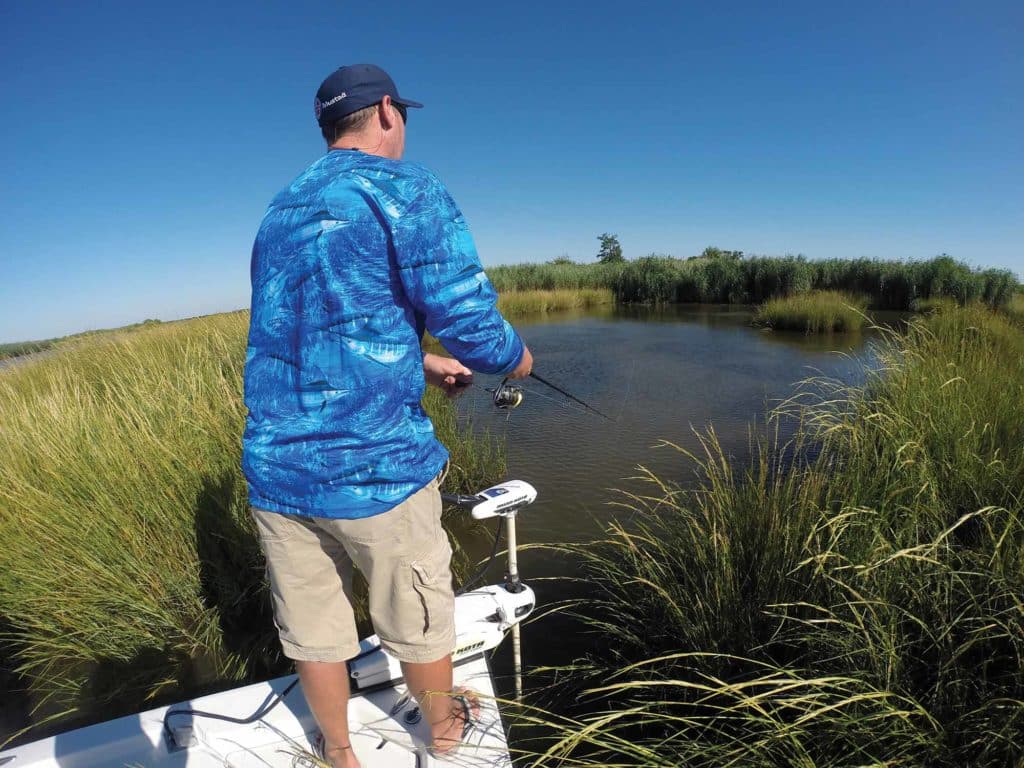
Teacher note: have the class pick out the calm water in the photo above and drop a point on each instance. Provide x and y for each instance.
(659, 373)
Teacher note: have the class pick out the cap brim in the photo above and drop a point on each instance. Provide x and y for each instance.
(407, 102)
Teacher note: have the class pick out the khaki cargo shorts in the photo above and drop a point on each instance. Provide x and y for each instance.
(405, 556)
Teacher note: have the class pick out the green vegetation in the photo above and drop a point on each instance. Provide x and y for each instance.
(714, 252)
(610, 251)
(517, 304)
(851, 597)
(1016, 306)
(19, 348)
(129, 569)
(814, 312)
(558, 275)
(719, 277)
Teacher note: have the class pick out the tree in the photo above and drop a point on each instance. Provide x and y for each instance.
(611, 251)
(711, 252)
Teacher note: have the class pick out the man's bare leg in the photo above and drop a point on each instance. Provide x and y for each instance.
(325, 686)
(444, 714)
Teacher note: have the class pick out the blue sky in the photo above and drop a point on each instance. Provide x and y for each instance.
(142, 141)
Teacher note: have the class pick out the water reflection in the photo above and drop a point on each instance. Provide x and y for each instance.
(661, 373)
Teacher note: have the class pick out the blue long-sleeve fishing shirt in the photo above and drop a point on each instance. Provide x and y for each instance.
(352, 261)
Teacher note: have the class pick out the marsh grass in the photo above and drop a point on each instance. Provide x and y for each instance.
(849, 597)
(1015, 309)
(20, 348)
(518, 304)
(814, 312)
(129, 569)
(934, 306)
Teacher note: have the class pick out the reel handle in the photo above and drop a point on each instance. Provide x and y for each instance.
(460, 500)
(507, 396)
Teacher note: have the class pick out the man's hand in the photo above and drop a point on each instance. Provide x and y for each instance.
(446, 373)
(522, 370)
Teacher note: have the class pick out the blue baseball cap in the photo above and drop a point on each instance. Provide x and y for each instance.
(349, 89)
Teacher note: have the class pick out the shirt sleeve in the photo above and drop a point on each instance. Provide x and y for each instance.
(445, 282)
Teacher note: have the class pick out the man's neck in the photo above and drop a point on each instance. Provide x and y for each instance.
(371, 145)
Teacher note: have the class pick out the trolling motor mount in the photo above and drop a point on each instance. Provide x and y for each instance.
(501, 500)
(505, 500)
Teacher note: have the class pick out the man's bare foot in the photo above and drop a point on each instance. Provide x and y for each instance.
(449, 733)
(340, 757)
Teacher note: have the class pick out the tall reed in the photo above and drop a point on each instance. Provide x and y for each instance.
(550, 277)
(752, 280)
(849, 597)
(129, 570)
(1015, 308)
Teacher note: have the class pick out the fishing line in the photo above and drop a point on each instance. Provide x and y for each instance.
(557, 401)
(629, 387)
(567, 394)
(507, 397)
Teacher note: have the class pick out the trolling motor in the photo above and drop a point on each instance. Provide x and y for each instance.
(505, 500)
(502, 500)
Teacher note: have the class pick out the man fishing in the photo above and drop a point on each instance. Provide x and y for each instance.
(352, 262)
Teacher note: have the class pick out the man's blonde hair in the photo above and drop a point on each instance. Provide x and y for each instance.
(348, 123)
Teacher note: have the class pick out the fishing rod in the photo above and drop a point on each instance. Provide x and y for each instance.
(570, 396)
(507, 396)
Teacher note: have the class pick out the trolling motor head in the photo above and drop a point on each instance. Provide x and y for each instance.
(502, 500)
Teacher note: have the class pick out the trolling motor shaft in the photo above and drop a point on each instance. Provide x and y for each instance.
(513, 583)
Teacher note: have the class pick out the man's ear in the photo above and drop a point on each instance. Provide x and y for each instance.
(386, 114)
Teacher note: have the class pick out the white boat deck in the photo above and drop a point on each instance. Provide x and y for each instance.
(387, 732)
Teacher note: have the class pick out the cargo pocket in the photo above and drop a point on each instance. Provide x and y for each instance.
(432, 582)
(422, 582)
